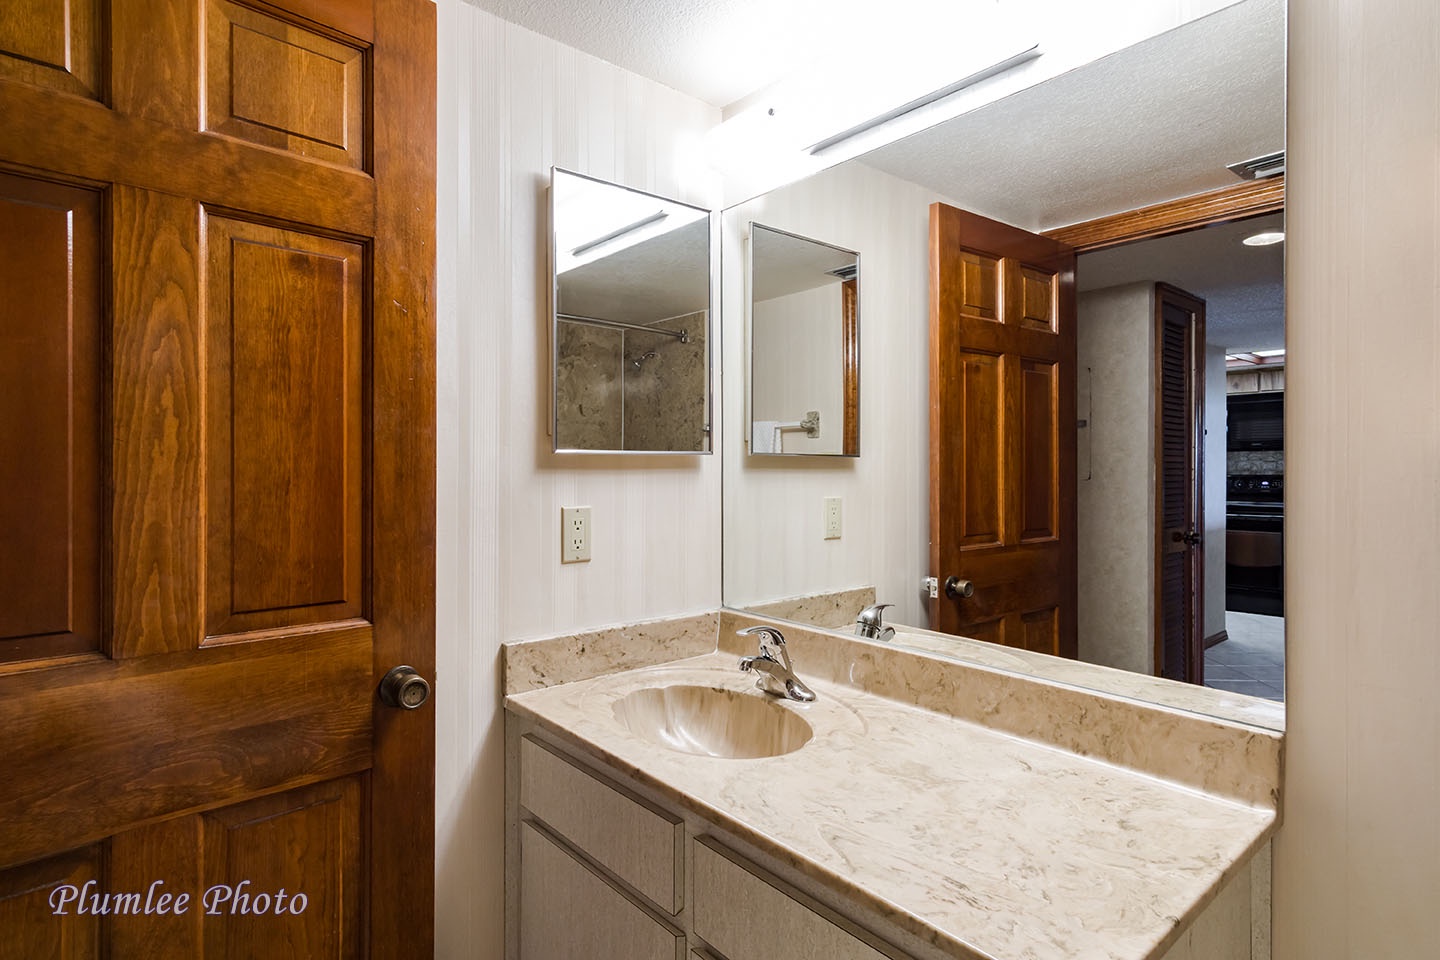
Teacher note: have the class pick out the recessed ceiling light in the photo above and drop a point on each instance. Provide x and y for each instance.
(1264, 239)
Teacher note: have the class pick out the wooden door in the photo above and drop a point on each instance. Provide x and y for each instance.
(1002, 432)
(216, 477)
(1179, 481)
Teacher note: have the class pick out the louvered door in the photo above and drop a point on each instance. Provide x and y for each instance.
(1179, 435)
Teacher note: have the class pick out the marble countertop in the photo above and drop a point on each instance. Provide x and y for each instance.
(985, 844)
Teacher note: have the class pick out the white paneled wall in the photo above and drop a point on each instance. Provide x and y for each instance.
(1357, 861)
(774, 529)
(1115, 509)
(511, 104)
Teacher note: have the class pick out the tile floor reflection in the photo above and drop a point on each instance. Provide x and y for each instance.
(1252, 659)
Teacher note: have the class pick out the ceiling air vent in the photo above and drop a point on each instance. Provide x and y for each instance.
(1260, 167)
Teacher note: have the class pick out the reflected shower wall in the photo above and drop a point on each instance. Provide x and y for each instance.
(630, 390)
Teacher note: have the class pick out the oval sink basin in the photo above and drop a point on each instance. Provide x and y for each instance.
(712, 722)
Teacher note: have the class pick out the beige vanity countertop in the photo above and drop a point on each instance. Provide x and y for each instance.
(982, 843)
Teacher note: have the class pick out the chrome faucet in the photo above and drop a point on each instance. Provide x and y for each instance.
(870, 623)
(773, 666)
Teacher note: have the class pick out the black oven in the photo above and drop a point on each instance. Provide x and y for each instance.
(1255, 544)
(1255, 421)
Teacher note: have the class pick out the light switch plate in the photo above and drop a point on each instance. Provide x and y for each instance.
(832, 518)
(574, 534)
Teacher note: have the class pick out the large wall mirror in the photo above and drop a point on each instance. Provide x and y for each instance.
(804, 345)
(630, 330)
(1158, 121)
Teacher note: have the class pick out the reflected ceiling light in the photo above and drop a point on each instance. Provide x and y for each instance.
(847, 93)
(1269, 353)
(938, 93)
(585, 248)
(1264, 239)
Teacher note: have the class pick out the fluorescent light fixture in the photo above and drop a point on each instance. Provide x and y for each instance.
(1270, 353)
(1264, 239)
(838, 98)
(984, 73)
(594, 219)
(585, 248)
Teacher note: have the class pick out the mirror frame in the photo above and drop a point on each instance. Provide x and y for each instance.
(850, 352)
(711, 327)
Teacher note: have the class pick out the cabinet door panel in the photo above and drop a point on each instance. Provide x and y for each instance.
(567, 912)
(745, 917)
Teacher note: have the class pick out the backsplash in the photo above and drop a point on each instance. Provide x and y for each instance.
(1253, 462)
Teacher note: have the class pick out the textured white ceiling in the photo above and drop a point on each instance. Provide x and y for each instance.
(1155, 121)
(715, 50)
(1243, 287)
(787, 264)
(663, 277)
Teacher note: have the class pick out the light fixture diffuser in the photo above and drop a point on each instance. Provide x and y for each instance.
(1264, 239)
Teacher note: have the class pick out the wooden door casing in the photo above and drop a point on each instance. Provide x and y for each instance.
(1002, 451)
(217, 458)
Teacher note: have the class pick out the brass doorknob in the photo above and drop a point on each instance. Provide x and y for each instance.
(959, 589)
(403, 687)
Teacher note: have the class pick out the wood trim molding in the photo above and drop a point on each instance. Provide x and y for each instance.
(1247, 199)
(850, 348)
(1215, 638)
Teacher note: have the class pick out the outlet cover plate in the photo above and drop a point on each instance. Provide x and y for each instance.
(574, 534)
(832, 518)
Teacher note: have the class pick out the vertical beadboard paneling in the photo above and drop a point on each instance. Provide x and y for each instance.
(1357, 861)
(774, 530)
(511, 104)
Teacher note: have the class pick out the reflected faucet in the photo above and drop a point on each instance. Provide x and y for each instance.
(773, 666)
(870, 623)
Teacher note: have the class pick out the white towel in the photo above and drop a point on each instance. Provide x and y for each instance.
(765, 436)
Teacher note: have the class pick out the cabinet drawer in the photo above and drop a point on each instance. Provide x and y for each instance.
(639, 844)
(567, 912)
(745, 917)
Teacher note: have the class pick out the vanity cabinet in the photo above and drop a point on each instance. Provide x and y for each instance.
(604, 874)
(598, 867)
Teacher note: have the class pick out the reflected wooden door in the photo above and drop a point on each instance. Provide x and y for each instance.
(216, 477)
(1002, 438)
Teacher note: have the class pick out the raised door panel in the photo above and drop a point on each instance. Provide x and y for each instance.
(1040, 631)
(1038, 443)
(285, 323)
(978, 430)
(52, 43)
(275, 83)
(41, 914)
(283, 875)
(1035, 299)
(51, 396)
(979, 286)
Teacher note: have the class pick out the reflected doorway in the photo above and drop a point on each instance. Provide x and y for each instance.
(1239, 458)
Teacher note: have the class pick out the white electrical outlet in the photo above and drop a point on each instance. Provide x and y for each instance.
(574, 534)
(832, 518)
